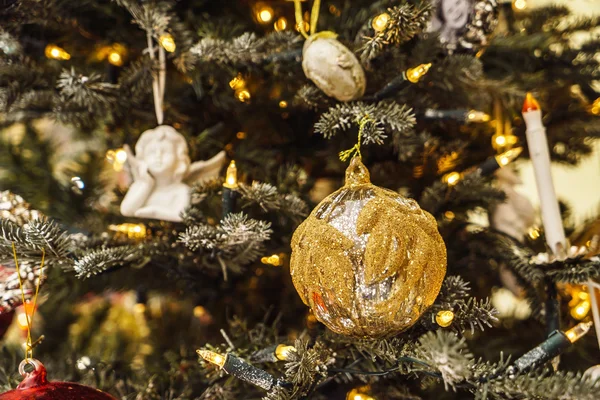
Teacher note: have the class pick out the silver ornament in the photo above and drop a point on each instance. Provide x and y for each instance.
(333, 67)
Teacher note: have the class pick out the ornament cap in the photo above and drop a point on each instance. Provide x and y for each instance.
(530, 103)
(357, 173)
(35, 378)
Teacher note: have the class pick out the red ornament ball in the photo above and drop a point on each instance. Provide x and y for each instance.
(35, 386)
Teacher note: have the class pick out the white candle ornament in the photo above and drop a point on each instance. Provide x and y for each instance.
(540, 157)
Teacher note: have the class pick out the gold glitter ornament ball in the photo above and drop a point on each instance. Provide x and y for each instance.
(367, 260)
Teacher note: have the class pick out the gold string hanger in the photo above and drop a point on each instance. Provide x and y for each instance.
(314, 17)
(355, 150)
(29, 318)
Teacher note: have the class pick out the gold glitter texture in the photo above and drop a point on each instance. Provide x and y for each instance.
(367, 260)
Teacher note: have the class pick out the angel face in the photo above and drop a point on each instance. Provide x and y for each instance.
(165, 152)
(161, 158)
(455, 12)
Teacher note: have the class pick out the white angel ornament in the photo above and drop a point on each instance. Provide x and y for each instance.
(162, 172)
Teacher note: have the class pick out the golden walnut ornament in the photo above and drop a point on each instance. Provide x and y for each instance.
(367, 260)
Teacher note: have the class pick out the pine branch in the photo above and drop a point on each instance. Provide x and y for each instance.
(269, 199)
(210, 50)
(136, 78)
(454, 289)
(200, 237)
(237, 240)
(205, 189)
(305, 366)
(446, 354)
(97, 261)
(398, 118)
(218, 392)
(471, 192)
(13, 233)
(574, 270)
(152, 17)
(246, 49)
(82, 97)
(277, 393)
(8, 44)
(87, 92)
(519, 260)
(548, 385)
(312, 97)
(46, 234)
(388, 350)
(473, 313)
(32, 238)
(405, 21)
(263, 194)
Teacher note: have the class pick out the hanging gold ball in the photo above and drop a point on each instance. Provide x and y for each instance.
(367, 261)
(444, 318)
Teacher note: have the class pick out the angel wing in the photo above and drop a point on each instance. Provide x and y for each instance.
(203, 170)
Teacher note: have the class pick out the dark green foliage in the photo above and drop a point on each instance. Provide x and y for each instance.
(289, 138)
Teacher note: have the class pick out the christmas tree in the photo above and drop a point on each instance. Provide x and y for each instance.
(160, 161)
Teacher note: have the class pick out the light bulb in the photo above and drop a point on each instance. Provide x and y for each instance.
(356, 394)
(58, 53)
(520, 4)
(199, 311)
(264, 14)
(139, 308)
(415, 74)
(444, 318)
(274, 260)
(167, 42)
(534, 233)
(477, 116)
(282, 352)
(237, 83)
(243, 95)
(212, 357)
(121, 156)
(578, 331)
(22, 321)
(452, 178)
(449, 215)
(581, 310)
(231, 181)
(115, 59)
(380, 22)
(280, 24)
(508, 156)
(306, 26)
